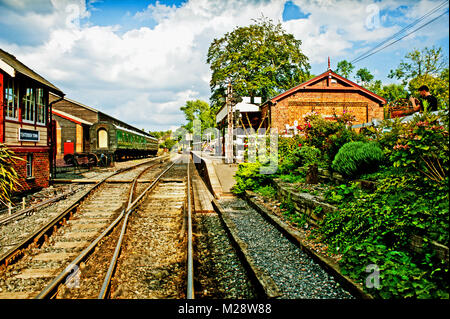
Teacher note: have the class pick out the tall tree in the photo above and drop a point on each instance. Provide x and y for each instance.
(344, 68)
(426, 67)
(261, 59)
(201, 110)
(428, 62)
(364, 77)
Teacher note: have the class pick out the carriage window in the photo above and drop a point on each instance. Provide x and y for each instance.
(41, 108)
(11, 99)
(102, 138)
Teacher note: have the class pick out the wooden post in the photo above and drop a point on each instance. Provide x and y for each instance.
(312, 174)
(2, 111)
(229, 147)
(23, 203)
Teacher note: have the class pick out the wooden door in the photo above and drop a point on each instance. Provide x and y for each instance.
(68, 148)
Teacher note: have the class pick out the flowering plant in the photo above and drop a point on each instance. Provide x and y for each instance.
(422, 147)
(346, 118)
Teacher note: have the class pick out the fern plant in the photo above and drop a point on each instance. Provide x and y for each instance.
(8, 176)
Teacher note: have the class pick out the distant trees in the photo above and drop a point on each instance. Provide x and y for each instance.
(261, 59)
(198, 109)
(419, 64)
(364, 77)
(160, 134)
(426, 67)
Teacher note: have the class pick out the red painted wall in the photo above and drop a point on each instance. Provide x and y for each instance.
(2, 111)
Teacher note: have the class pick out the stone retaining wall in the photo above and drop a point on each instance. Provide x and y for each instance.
(305, 204)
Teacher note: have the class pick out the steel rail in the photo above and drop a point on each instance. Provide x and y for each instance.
(113, 263)
(28, 210)
(53, 285)
(190, 258)
(40, 234)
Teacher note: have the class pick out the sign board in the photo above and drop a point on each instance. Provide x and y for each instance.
(28, 135)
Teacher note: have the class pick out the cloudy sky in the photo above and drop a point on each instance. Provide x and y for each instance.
(140, 60)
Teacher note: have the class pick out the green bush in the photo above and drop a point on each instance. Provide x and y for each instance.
(355, 158)
(329, 136)
(309, 155)
(267, 191)
(376, 228)
(248, 177)
(288, 153)
(422, 148)
(401, 274)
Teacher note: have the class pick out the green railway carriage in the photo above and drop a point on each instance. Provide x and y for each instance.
(118, 142)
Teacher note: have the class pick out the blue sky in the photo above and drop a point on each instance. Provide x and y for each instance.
(141, 60)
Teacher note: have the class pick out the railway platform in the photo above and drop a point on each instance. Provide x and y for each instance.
(220, 174)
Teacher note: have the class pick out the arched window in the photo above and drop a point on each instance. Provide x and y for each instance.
(102, 138)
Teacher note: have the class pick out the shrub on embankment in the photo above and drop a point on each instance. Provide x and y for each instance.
(372, 229)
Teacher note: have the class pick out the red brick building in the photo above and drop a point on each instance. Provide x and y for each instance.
(25, 120)
(326, 94)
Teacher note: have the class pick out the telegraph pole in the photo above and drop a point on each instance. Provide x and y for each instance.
(229, 144)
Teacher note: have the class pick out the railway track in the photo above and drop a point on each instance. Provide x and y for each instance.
(28, 267)
(132, 239)
(155, 262)
(151, 229)
(278, 268)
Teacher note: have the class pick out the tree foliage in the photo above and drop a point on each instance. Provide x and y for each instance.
(345, 68)
(201, 110)
(261, 59)
(160, 134)
(426, 67)
(417, 64)
(438, 86)
(364, 77)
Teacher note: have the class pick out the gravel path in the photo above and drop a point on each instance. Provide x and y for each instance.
(295, 274)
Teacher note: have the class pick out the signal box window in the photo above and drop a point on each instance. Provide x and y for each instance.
(29, 165)
(41, 108)
(29, 104)
(11, 99)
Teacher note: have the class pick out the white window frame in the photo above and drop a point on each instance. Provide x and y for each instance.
(40, 104)
(29, 105)
(10, 84)
(102, 138)
(29, 165)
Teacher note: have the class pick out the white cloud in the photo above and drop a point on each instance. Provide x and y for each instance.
(145, 74)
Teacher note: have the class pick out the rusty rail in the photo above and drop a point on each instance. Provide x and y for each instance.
(190, 253)
(51, 289)
(131, 207)
(39, 236)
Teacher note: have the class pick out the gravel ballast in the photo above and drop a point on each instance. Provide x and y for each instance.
(295, 274)
(219, 272)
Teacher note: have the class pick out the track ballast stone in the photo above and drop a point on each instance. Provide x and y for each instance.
(296, 275)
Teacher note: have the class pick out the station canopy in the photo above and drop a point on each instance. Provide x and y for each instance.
(243, 107)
